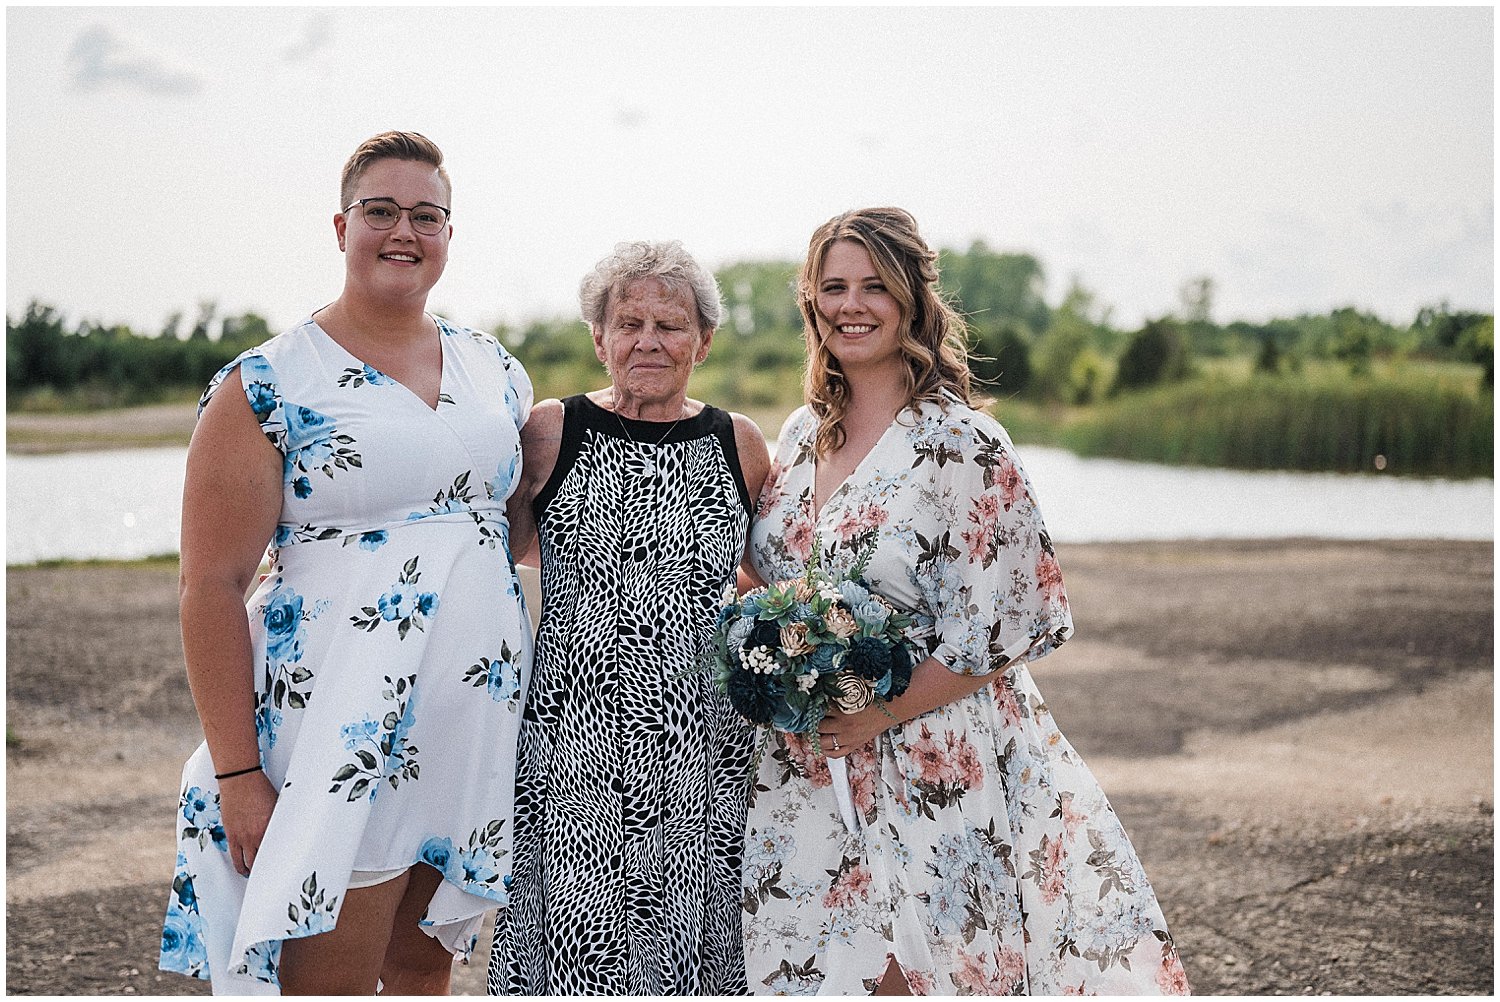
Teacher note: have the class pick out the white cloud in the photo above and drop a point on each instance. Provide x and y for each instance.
(316, 33)
(102, 58)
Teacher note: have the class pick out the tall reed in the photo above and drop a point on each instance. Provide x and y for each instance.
(1401, 425)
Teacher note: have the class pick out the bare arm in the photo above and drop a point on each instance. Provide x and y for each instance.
(541, 441)
(230, 504)
(755, 464)
(932, 685)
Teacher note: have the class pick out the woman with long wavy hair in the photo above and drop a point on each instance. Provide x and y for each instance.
(983, 857)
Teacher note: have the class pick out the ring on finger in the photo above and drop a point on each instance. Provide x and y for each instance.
(835, 742)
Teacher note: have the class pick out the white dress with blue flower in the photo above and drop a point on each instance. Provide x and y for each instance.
(987, 860)
(391, 653)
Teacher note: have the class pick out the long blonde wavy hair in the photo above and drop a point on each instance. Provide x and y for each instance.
(933, 336)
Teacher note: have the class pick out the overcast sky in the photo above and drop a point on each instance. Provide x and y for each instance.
(1305, 159)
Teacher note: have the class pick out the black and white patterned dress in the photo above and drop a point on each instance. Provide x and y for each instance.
(632, 772)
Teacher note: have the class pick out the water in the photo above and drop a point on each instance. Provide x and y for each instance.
(127, 504)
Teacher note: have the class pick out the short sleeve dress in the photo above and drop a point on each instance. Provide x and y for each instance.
(989, 861)
(391, 652)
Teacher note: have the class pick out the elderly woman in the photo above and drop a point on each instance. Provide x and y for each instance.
(347, 819)
(632, 772)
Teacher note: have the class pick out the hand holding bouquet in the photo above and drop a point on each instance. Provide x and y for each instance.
(786, 653)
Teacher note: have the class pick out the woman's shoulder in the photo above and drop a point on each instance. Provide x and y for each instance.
(797, 424)
(482, 342)
(951, 412)
(295, 340)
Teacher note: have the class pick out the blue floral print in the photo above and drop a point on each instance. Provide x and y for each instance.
(364, 375)
(317, 910)
(403, 604)
(501, 675)
(373, 541)
(356, 458)
(283, 618)
(182, 947)
(382, 750)
(200, 813)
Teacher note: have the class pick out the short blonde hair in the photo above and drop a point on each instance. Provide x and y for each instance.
(390, 146)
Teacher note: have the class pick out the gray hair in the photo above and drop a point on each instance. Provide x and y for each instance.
(665, 260)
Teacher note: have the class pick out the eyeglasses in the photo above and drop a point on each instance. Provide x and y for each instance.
(384, 213)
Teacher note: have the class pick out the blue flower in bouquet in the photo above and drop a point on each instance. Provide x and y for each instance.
(262, 398)
(304, 427)
(798, 718)
(739, 632)
(182, 946)
(359, 732)
(868, 658)
(824, 658)
(853, 593)
(476, 868)
(764, 633)
(900, 672)
(871, 615)
(755, 697)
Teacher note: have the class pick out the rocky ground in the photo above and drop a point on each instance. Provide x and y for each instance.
(1299, 737)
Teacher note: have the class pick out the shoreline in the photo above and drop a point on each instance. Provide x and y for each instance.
(171, 424)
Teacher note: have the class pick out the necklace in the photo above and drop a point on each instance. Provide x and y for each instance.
(648, 461)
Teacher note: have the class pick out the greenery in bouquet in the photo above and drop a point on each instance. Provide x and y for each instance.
(786, 653)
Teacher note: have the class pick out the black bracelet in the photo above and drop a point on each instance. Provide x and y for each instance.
(237, 772)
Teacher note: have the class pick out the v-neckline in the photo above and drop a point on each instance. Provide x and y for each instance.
(818, 511)
(442, 362)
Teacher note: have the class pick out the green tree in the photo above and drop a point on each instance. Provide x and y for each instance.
(1156, 354)
(759, 297)
(994, 288)
(1269, 357)
(1354, 340)
(1002, 359)
(33, 347)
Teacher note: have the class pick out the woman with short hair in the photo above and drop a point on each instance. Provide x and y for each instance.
(347, 820)
(632, 771)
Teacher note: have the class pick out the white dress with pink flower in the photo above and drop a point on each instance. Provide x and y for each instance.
(989, 861)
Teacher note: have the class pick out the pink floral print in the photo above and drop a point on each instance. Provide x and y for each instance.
(984, 837)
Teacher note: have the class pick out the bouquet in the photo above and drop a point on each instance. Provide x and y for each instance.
(785, 653)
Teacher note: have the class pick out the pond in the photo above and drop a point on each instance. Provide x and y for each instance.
(127, 504)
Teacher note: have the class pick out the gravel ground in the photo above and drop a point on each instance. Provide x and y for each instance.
(1298, 736)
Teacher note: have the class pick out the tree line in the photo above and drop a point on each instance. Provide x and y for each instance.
(1068, 352)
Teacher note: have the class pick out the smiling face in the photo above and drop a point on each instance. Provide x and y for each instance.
(858, 318)
(398, 266)
(649, 342)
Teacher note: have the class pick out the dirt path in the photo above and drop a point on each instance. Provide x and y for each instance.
(1298, 736)
(124, 428)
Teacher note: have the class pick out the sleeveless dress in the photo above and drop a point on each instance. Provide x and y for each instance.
(632, 771)
(988, 861)
(391, 650)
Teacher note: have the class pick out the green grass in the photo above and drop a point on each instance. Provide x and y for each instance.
(93, 398)
(160, 561)
(1420, 422)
